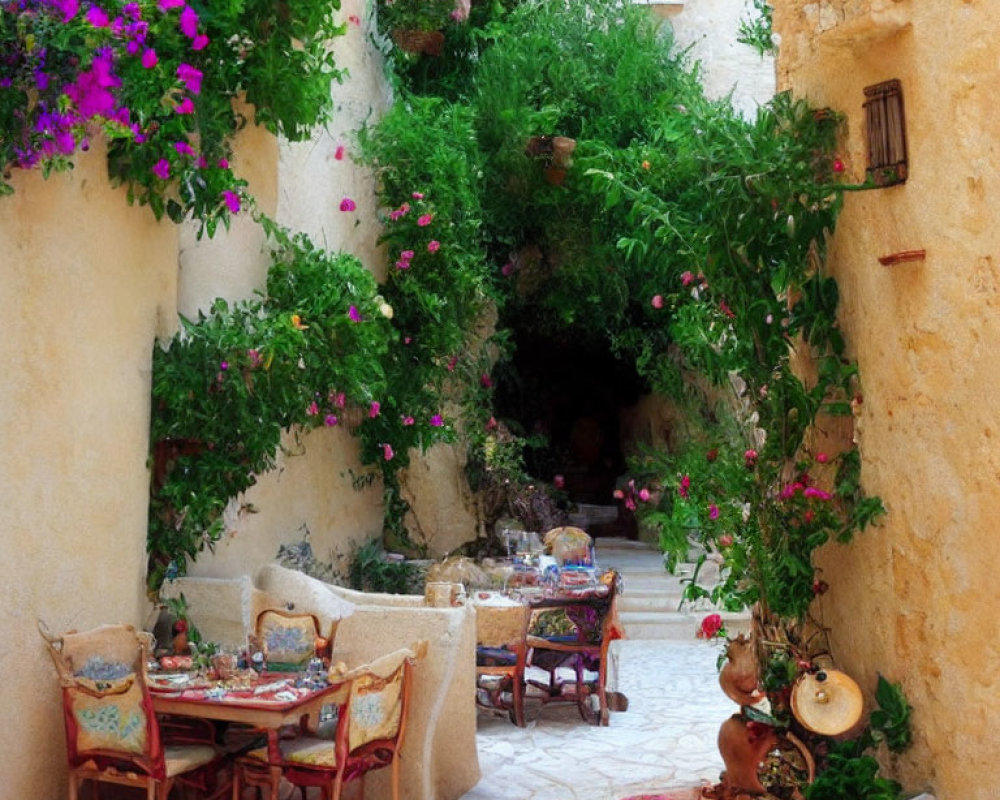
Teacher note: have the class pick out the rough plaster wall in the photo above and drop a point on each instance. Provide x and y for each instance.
(911, 598)
(709, 28)
(85, 280)
(301, 185)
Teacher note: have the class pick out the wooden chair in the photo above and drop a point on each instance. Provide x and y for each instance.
(597, 625)
(112, 734)
(371, 722)
(290, 640)
(501, 655)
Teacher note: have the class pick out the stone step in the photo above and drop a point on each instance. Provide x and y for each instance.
(649, 601)
(677, 626)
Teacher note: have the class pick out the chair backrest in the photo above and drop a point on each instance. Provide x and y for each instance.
(502, 626)
(107, 708)
(378, 701)
(289, 640)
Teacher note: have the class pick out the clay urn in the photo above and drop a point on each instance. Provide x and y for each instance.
(738, 677)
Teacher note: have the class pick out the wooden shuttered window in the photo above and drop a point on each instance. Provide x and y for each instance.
(885, 127)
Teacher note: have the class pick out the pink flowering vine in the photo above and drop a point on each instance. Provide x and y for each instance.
(347, 204)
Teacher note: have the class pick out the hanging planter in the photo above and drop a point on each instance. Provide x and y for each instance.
(429, 43)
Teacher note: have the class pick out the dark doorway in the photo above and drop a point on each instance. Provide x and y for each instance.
(573, 393)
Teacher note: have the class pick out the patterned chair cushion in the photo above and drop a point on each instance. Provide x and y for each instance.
(303, 750)
(109, 715)
(183, 758)
(289, 641)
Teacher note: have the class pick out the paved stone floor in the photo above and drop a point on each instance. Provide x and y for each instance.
(666, 740)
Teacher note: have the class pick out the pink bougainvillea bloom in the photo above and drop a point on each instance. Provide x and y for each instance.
(188, 22)
(819, 494)
(201, 162)
(347, 204)
(183, 148)
(437, 421)
(687, 278)
(339, 152)
(433, 246)
(630, 503)
(750, 457)
(312, 409)
(223, 163)
(200, 42)
(838, 165)
(710, 626)
(161, 169)
(374, 409)
(166, 5)
(68, 8)
(149, 58)
(402, 264)
(185, 106)
(657, 301)
(507, 269)
(809, 516)
(491, 424)
(559, 481)
(618, 494)
(450, 366)
(485, 381)
(713, 511)
(387, 452)
(725, 540)
(97, 17)
(338, 399)
(330, 420)
(684, 486)
(232, 201)
(724, 307)
(190, 77)
(424, 220)
(822, 458)
(255, 358)
(407, 339)
(406, 255)
(644, 494)
(354, 19)
(224, 365)
(417, 195)
(408, 420)
(354, 314)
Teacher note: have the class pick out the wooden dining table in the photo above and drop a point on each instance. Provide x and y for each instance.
(270, 703)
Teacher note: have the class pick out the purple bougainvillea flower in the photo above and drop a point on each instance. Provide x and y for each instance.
(68, 8)
(232, 201)
(339, 399)
(408, 420)
(644, 494)
(485, 381)
(161, 169)
(713, 511)
(387, 452)
(330, 420)
(132, 48)
(166, 5)
(223, 365)
(424, 220)
(183, 148)
(149, 58)
(354, 314)
(347, 204)
(433, 246)
(507, 269)
(201, 163)
(373, 410)
(223, 163)
(684, 486)
(185, 106)
(437, 421)
(132, 10)
(188, 22)
(97, 17)
(200, 42)
(190, 77)
(817, 493)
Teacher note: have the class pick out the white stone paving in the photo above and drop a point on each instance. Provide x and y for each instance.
(665, 740)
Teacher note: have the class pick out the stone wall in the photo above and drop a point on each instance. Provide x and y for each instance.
(910, 598)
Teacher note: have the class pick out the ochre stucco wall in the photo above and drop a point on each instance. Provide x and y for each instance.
(912, 597)
(87, 283)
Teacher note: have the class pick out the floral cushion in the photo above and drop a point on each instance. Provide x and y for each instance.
(289, 641)
(376, 708)
(109, 715)
(303, 750)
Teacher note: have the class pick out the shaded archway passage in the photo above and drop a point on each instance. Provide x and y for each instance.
(573, 392)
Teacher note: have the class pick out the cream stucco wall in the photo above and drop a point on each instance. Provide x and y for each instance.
(87, 283)
(912, 598)
(707, 29)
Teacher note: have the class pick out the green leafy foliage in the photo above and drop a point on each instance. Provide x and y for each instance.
(755, 29)
(165, 89)
(372, 571)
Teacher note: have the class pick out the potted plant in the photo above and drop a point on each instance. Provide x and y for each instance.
(417, 26)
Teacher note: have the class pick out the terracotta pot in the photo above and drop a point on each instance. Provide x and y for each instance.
(412, 41)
